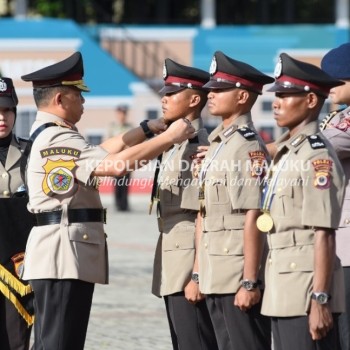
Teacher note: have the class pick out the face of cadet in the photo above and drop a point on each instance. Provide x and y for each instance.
(176, 105)
(290, 110)
(223, 102)
(7, 120)
(341, 94)
(72, 101)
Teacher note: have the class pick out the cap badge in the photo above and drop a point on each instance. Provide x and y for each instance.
(3, 85)
(213, 66)
(278, 68)
(165, 72)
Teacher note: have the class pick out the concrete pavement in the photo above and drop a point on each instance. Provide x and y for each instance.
(125, 315)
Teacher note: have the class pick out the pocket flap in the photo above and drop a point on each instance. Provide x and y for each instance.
(85, 235)
(226, 243)
(179, 240)
(297, 263)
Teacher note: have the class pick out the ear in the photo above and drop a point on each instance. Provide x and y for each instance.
(243, 96)
(194, 100)
(312, 100)
(57, 99)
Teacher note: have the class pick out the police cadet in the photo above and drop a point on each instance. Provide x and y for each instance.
(336, 128)
(66, 250)
(176, 193)
(301, 210)
(16, 297)
(231, 247)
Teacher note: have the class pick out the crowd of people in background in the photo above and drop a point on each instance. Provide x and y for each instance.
(240, 267)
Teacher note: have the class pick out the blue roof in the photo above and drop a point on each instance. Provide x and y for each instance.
(103, 74)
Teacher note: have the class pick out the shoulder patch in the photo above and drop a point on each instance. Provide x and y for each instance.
(316, 142)
(247, 133)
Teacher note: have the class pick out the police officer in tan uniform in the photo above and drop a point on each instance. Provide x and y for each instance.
(175, 274)
(336, 128)
(231, 247)
(66, 253)
(16, 297)
(301, 206)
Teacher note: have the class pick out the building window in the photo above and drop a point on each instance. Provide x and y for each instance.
(24, 122)
(266, 106)
(152, 114)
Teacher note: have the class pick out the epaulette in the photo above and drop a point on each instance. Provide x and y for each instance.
(247, 133)
(328, 118)
(316, 142)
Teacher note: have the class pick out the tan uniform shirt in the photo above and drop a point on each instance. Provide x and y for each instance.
(178, 208)
(337, 132)
(10, 175)
(58, 176)
(232, 183)
(308, 193)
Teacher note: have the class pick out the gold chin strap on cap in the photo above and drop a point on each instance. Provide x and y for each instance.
(77, 83)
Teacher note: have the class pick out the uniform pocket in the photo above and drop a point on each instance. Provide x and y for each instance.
(285, 201)
(297, 263)
(225, 243)
(84, 234)
(180, 238)
(217, 189)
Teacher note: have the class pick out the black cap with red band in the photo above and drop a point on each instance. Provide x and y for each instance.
(294, 76)
(178, 77)
(227, 73)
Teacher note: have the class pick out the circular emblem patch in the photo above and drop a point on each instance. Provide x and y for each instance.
(3, 85)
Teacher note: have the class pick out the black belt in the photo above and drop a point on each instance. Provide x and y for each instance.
(74, 216)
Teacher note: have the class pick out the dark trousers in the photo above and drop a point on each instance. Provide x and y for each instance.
(291, 333)
(121, 192)
(190, 324)
(344, 319)
(238, 330)
(62, 311)
(14, 331)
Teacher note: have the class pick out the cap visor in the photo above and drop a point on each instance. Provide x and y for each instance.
(213, 84)
(280, 88)
(168, 89)
(7, 102)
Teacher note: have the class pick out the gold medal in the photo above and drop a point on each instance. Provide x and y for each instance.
(264, 222)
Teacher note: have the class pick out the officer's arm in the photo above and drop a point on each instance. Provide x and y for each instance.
(132, 137)
(253, 246)
(118, 164)
(320, 319)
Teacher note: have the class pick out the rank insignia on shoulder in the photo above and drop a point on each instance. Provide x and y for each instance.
(247, 133)
(298, 140)
(230, 131)
(316, 142)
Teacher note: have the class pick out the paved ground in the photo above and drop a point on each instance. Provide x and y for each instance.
(125, 315)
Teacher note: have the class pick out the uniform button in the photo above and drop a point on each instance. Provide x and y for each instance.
(4, 175)
(177, 245)
(85, 236)
(6, 193)
(226, 250)
(293, 265)
(347, 221)
(270, 261)
(206, 245)
(279, 189)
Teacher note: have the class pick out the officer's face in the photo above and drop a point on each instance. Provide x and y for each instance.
(341, 94)
(176, 105)
(72, 101)
(7, 120)
(223, 102)
(290, 110)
